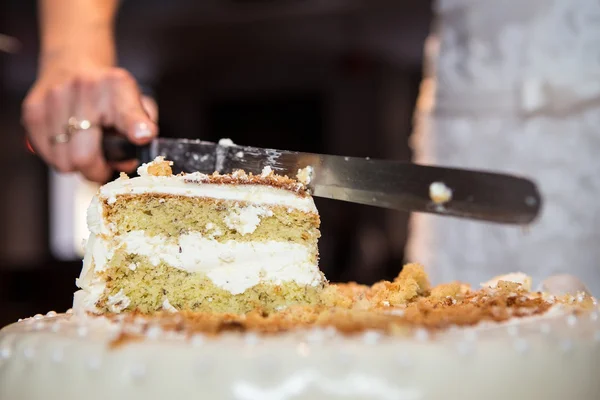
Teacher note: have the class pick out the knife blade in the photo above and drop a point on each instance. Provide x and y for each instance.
(404, 186)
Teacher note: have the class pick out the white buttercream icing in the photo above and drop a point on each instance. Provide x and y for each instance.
(92, 286)
(195, 185)
(233, 266)
(118, 302)
(245, 220)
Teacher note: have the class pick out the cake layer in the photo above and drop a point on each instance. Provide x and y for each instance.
(223, 220)
(241, 187)
(233, 266)
(133, 282)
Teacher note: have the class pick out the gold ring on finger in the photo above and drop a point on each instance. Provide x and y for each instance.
(74, 125)
(60, 138)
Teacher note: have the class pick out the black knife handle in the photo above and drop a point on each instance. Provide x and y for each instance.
(116, 147)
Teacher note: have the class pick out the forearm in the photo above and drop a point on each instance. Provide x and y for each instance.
(77, 31)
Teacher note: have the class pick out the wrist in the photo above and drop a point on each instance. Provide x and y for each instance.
(87, 50)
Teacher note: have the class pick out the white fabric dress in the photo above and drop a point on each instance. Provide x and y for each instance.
(514, 86)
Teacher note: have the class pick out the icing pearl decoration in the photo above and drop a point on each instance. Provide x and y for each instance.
(58, 355)
(465, 348)
(594, 316)
(303, 349)
(197, 340)
(267, 365)
(39, 325)
(154, 332)
(5, 353)
(94, 363)
(138, 372)
(251, 339)
(470, 335)
(571, 320)
(343, 358)
(404, 361)
(545, 328)
(371, 337)
(513, 330)
(316, 335)
(566, 345)
(29, 353)
(38, 316)
(203, 366)
(521, 345)
(51, 314)
(82, 331)
(421, 335)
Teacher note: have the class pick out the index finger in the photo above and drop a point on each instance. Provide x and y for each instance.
(86, 152)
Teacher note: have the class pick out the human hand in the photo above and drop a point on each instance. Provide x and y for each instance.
(88, 98)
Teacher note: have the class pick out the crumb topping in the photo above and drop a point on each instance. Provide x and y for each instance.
(240, 177)
(162, 168)
(305, 175)
(400, 307)
(158, 167)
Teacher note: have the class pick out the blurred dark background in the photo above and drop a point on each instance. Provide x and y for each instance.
(335, 76)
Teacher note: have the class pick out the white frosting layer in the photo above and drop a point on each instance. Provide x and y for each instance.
(193, 185)
(245, 220)
(233, 266)
(92, 286)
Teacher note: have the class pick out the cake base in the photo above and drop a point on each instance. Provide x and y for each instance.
(553, 356)
(148, 287)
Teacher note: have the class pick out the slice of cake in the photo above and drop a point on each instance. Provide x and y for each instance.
(222, 243)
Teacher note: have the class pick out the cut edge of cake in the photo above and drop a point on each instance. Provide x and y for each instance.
(198, 242)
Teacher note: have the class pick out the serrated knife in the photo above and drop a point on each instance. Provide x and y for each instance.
(404, 186)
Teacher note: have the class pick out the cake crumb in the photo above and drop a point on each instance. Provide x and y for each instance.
(452, 290)
(516, 277)
(439, 193)
(305, 175)
(160, 167)
(266, 172)
(226, 142)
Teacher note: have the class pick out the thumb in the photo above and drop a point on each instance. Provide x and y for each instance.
(149, 105)
(127, 102)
